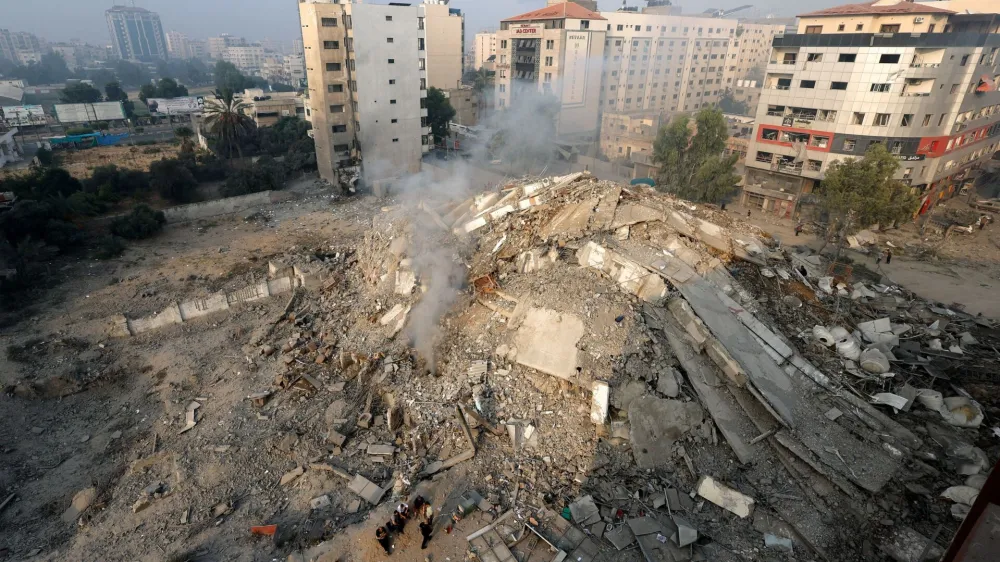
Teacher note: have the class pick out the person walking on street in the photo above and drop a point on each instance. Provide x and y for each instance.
(382, 536)
(425, 530)
(888, 257)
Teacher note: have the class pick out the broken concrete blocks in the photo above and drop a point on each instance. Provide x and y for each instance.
(693, 325)
(546, 341)
(718, 354)
(629, 274)
(725, 497)
(367, 489)
(601, 398)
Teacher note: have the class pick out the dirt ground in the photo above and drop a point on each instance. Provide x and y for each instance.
(207, 487)
(81, 163)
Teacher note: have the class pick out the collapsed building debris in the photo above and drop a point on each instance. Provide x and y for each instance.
(626, 372)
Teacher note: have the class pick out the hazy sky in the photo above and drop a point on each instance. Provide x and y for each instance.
(60, 20)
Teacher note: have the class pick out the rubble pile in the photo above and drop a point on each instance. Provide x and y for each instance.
(627, 375)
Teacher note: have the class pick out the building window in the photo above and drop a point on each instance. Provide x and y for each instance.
(334, 88)
(859, 118)
(859, 27)
(807, 84)
(941, 119)
(548, 76)
(889, 28)
(394, 121)
(881, 120)
(881, 87)
(927, 120)
(840, 27)
(341, 148)
(955, 87)
(888, 59)
(503, 44)
(336, 109)
(907, 120)
(392, 81)
(388, 18)
(392, 61)
(548, 61)
(813, 57)
(392, 102)
(550, 44)
(849, 145)
(896, 147)
(340, 128)
(621, 27)
(328, 22)
(814, 29)
(388, 39)
(420, 43)
(331, 44)
(395, 140)
(907, 172)
(838, 85)
(930, 28)
(333, 67)
(847, 57)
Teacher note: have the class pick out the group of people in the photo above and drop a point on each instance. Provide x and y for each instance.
(422, 509)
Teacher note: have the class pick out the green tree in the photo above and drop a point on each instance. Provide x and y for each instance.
(51, 69)
(169, 88)
(131, 74)
(228, 77)
(81, 93)
(113, 92)
(147, 91)
(142, 222)
(266, 174)
(173, 180)
(691, 162)
(858, 193)
(227, 123)
(439, 113)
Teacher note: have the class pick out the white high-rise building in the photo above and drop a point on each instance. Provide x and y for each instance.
(367, 71)
(248, 59)
(485, 47)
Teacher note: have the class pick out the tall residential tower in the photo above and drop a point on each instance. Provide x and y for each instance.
(136, 34)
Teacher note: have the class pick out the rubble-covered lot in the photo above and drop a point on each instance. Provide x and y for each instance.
(596, 369)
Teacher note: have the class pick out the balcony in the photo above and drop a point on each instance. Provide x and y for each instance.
(787, 167)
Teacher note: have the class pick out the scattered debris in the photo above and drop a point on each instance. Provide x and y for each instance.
(725, 497)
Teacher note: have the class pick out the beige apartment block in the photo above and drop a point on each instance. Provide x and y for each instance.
(915, 77)
(367, 72)
(555, 50)
(445, 29)
(485, 47)
(625, 134)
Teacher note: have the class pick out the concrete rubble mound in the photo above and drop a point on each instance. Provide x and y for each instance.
(626, 375)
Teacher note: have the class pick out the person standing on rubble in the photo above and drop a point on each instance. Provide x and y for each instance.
(382, 536)
(798, 229)
(425, 529)
(888, 257)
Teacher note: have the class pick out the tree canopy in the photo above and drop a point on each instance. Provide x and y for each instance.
(439, 113)
(51, 69)
(228, 77)
(858, 193)
(166, 88)
(81, 93)
(690, 157)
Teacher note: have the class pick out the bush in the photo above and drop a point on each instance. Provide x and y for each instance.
(110, 183)
(86, 204)
(264, 175)
(173, 180)
(142, 222)
(109, 247)
(45, 157)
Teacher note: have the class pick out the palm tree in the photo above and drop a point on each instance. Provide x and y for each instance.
(227, 122)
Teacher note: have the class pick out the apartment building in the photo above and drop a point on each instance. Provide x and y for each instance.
(485, 47)
(248, 59)
(367, 72)
(625, 134)
(178, 46)
(752, 49)
(21, 47)
(445, 48)
(136, 34)
(295, 68)
(217, 46)
(555, 50)
(913, 76)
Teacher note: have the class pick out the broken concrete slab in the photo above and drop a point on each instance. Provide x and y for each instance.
(366, 489)
(656, 424)
(903, 544)
(381, 450)
(395, 318)
(546, 341)
(81, 501)
(725, 497)
(621, 536)
(629, 274)
(291, 475)
(600, 399)
(686, 532)
(628, 214)
(585, 511)
(571, 221)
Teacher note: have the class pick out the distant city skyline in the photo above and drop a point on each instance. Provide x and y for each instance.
(257, 20)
